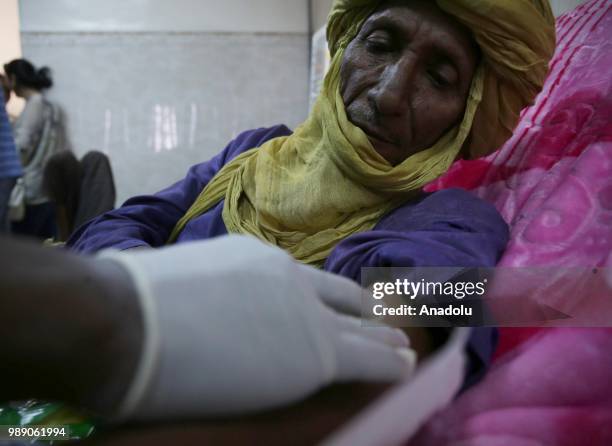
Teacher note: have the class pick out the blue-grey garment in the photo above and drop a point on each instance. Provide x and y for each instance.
(446, 228)
(10, 167)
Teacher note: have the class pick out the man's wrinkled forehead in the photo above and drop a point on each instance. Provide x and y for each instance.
(404, 18)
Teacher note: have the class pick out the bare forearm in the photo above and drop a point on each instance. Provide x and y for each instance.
(71, 326)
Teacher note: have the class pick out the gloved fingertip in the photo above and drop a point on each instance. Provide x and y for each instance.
(409, 356)
(403, 341)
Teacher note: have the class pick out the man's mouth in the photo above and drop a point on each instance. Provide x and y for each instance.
(385, 146)
(376, 136)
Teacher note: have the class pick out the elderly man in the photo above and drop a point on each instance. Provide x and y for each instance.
(412, 86)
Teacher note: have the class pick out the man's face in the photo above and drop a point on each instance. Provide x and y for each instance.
(406, 76)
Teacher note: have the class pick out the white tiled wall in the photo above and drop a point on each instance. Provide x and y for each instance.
(278, 16)
(161, 85)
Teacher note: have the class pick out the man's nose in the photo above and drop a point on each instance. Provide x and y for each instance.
(394, 90)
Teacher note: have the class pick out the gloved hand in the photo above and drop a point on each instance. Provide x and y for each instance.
(234, 326)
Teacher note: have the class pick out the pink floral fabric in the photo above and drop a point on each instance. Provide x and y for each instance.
(552, 182)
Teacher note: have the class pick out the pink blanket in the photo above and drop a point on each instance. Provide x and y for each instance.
(552, 182)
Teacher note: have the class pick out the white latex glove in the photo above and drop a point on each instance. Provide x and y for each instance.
(234, 326)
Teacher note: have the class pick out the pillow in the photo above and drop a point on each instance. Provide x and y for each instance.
(552, 181)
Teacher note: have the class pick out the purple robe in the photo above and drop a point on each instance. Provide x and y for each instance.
(446, 228)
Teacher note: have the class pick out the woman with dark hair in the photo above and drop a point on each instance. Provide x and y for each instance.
(38, 135)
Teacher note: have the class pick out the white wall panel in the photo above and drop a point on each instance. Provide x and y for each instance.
(282, 16)
(161, 85)
(320, 11)
(159, 103)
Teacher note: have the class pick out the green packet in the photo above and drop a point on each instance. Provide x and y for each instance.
(38, 413)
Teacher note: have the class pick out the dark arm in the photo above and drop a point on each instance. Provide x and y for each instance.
(448, 228)
(74, 327)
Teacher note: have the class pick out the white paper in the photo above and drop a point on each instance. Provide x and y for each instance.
(398, 414)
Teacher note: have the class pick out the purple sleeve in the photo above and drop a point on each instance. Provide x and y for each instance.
(447, 228)
(148, 220)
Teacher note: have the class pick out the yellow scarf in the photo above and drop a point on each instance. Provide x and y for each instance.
(308, 191)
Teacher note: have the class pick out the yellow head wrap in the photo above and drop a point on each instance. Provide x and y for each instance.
(308, 191)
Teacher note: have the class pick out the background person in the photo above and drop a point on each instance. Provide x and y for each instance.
(98, 193)
(39, 133)
(10, 167)
(79, 190)
(6, 89)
